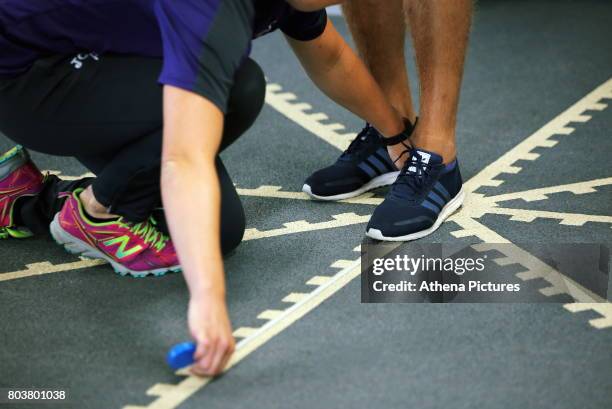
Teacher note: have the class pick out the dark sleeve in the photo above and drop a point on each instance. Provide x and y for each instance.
(304, 26)
(204, 44)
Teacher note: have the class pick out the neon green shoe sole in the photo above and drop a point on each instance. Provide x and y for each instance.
(15, 233)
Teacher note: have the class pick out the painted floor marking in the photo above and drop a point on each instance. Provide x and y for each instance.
(38, 269)
(568, 219)
(68, 177)
(295, 297)
(301, 226)
(558, 127)
(283, 102)
(603, 309)
(318, 280)
(244, 332)
(559, 284)
(276, 193)
(270, 314)
(537, 269)
(532, 195)
(170, 396)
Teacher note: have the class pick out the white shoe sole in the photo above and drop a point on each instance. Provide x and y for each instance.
(80, 248)
(385, 179)
(450, 208)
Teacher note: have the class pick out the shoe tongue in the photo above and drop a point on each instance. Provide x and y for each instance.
(365, 137)
(370, 132)
(427, 158)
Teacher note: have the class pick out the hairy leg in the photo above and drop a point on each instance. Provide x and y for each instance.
(440, 31)
(379, 33)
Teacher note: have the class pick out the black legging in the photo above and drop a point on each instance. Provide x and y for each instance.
(106, 111)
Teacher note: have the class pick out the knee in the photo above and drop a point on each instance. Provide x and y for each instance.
(248, 94)
(232, 228)
(233, 219)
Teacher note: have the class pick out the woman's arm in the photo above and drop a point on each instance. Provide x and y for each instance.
(193, 129)
(339, 73)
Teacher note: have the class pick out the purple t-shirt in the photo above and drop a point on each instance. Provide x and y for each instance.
(202, 42)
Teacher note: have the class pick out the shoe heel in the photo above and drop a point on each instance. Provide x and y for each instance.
(64, 239)
(12, 160)
(72, 249)
(56, 231)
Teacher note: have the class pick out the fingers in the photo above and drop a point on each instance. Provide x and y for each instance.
(211, 329)
(209, 356)
(199, 353)
(212, 356)
(228, 355)
(224, 351)
(199, 367)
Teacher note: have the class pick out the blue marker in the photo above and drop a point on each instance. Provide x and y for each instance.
(181, 355)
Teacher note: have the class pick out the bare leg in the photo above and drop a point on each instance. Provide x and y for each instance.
(440, 31)
(92, 206)
(379, 32)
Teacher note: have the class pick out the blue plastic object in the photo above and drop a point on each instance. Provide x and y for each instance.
(181, 355)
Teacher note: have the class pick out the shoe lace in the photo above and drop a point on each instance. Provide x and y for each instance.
(415, 174)
(360, 140)
(149, 232)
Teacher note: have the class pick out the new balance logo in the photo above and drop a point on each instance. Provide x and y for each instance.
(122, 251)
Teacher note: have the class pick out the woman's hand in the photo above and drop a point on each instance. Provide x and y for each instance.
(211, 329)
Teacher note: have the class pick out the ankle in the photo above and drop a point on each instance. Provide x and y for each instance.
(398, 154)
(445, 147)
(401, 101)
(407, 112)
(92, 207)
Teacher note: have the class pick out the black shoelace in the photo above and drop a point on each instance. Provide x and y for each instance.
(360, 140)
(414, 174)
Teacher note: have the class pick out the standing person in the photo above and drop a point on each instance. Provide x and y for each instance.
(429, 186)
(80, 78)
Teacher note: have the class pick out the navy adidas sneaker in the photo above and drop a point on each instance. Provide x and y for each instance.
(364, 166)
(425, 194)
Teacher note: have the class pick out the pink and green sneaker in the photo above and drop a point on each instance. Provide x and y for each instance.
(19, 178)
(135, 249)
